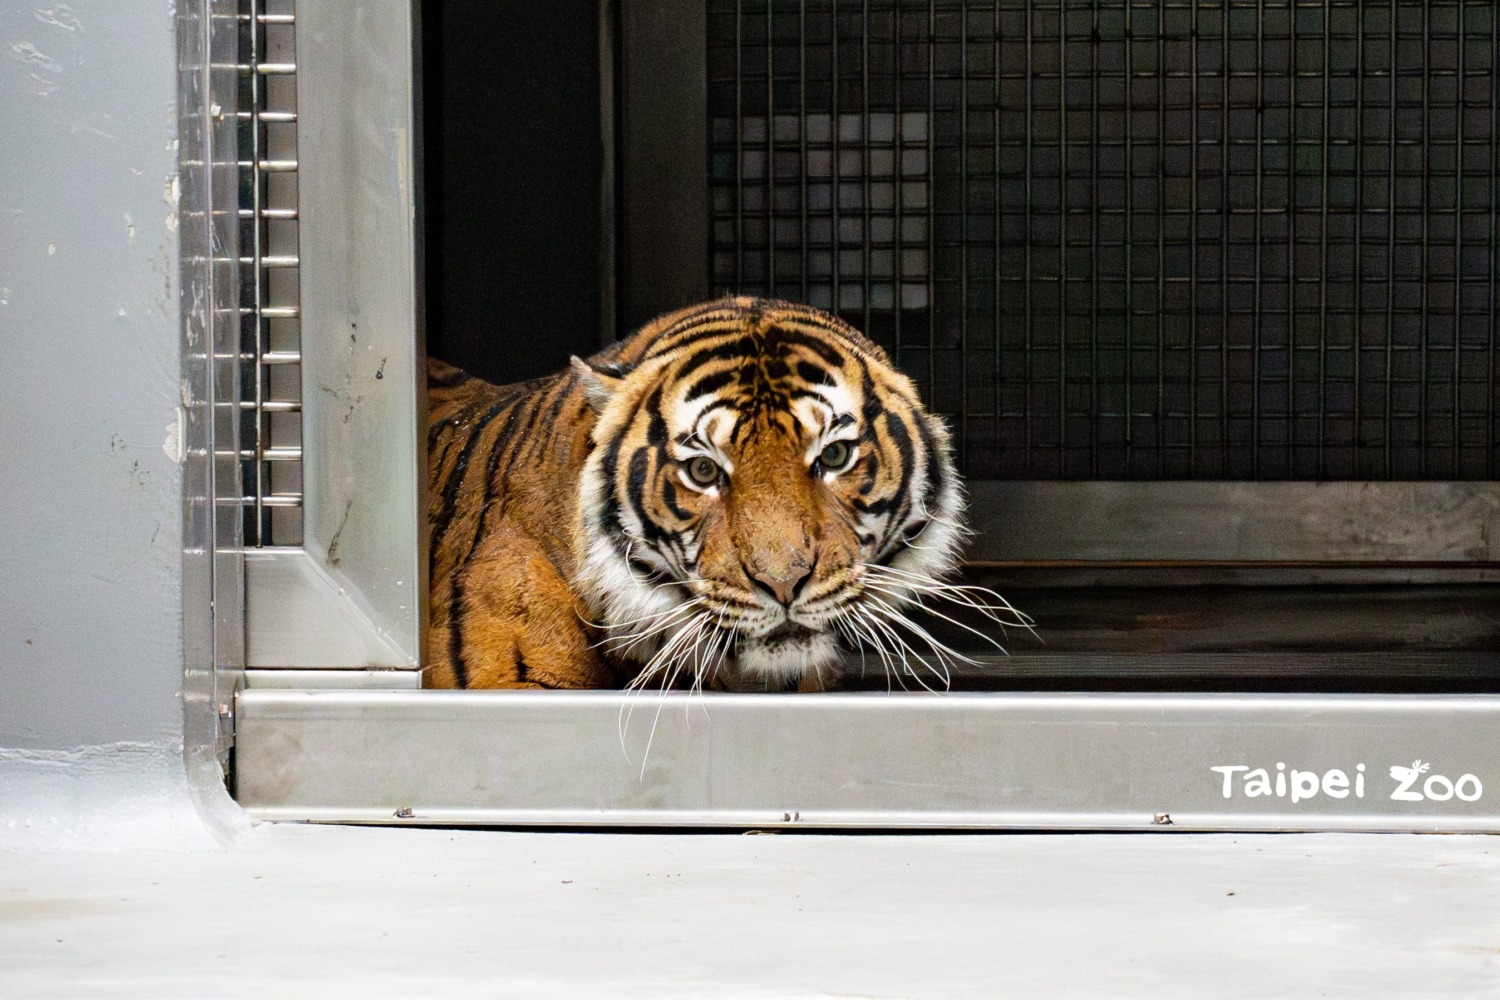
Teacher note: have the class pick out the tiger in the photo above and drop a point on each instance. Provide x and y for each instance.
(736, 496)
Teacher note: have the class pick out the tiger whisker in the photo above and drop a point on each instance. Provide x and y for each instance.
(902, 666)
(946, 655)
(696, 629)
(878, 588)
(649, 615)
(655, 666)
(900, 648)
(873, 637)
(663, 656)
(625, 643)
(864, 635)
(941, 650)
(720, 647)
(965, 594)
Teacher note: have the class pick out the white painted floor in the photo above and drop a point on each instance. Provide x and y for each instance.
(294, 911)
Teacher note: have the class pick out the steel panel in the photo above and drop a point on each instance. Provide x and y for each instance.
(1094, 761)
(1396, 524)
(363, 368)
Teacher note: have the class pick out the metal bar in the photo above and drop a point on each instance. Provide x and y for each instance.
(1457, 469)
(279, 454)
(865, 162)
(898, 139)
(739, 148)
(929, 179)
(770, 205)
(1390, 275)
(1292, 176)
(1225, 220)
(802, 141)
(1357, 466)
(1322, 276)
(1176, 762)
(1192, 410)
(1260, 148)
(266, 357)
(1492, 460)
(1161, 239)
(268, 213)
(269, 117)
(1095, 213)
(1062, 237)
(258, 263)
(963, 228)
(1424, 340)
(608, 228)
(1029, 413)
(835, 180)
(275, 500)
(997, 193)
(1129, 240)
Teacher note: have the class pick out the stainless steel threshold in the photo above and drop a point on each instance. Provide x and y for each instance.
(872, 760)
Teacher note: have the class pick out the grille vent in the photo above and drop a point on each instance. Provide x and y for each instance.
(270, 317)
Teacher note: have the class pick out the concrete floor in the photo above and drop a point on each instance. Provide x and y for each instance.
(291, 911)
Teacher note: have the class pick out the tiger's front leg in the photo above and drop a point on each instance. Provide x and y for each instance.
(513, 622)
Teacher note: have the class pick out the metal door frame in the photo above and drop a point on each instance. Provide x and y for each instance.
(312, 746)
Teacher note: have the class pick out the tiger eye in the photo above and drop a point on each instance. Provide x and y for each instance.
(835, 455)
(703, 471)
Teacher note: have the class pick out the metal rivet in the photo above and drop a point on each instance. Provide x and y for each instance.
(404, 813)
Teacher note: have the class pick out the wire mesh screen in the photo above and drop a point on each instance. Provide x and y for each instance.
(1134, 240)
(270, 313)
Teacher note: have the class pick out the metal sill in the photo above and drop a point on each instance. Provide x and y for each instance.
(974, 761)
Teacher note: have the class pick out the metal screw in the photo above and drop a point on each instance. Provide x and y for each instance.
(404, 812)
(1162, 819)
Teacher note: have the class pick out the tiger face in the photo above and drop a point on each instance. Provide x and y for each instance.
(763, 484)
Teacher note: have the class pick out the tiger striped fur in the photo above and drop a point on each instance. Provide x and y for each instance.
(721, 497)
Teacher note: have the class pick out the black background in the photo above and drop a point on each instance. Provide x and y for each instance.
(512, 168)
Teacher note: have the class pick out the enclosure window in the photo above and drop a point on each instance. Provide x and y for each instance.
(1243, 241)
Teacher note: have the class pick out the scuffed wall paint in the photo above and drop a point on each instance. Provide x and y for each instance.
(90, 509)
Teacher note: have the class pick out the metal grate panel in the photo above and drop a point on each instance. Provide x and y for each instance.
(270, 331)
(1135, 240)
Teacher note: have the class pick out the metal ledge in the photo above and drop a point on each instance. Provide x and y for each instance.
(977, 761)
(1296, 525)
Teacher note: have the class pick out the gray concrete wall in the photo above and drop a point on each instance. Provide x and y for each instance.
(90, 501)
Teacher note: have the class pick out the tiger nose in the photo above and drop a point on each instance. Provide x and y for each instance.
(784, 587)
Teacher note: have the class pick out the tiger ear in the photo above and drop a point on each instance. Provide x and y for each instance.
(600, 382)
